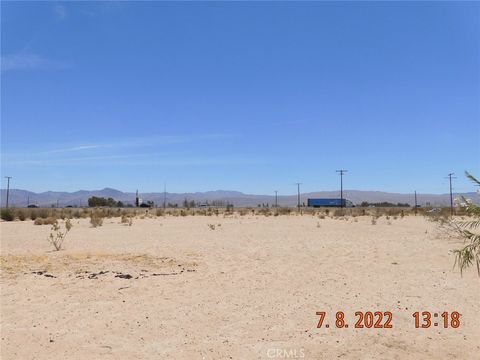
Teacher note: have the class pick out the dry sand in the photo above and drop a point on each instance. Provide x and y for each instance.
(249, 289)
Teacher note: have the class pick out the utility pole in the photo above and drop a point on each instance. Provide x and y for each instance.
(416, 203)
(276, 198)
(8, 189)
(450, 177)
(164, 195)
(298, 194)
(341, 172)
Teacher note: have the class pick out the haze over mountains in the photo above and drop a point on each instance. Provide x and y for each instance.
(20, 198)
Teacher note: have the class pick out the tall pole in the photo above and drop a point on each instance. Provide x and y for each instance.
(8, 189)
(450, 176)
(276, 198)
(298, 194)
(341, 172)
(164, 195)
(416, 203)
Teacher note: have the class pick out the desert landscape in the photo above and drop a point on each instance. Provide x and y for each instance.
(233, 286)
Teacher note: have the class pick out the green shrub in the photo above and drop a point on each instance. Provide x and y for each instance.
(7, 215)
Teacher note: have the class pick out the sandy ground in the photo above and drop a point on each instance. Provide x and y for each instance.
(248, 289)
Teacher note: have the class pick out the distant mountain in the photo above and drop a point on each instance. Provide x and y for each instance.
(19, 198)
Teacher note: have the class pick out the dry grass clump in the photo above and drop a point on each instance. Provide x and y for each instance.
(96, 219)
(211, 226)
(47, 221)
(264, 211)
(126, 220)
(284, 211)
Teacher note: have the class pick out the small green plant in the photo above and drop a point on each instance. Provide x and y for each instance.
(470, 253)
(57, 236)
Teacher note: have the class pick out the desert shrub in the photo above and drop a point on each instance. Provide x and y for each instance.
(57, 236)
(242, 212)
(211, 226)
(470, 253)
(43, 213)
(321, 216)
(22, 216)
(160, 212)
(374, 220)
(338, 212)
(33, 214)
(264, 211)
(48, 221)
(96, 219)
(284, 211)
(7, 214)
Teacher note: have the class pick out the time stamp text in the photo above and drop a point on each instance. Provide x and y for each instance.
(385, 320)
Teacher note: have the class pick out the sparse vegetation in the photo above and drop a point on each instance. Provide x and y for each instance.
(47, 221)
(470, 253)
(96, 219)
(57, 236)
(7, 215)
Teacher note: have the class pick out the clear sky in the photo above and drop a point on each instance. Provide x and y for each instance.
(240, 96)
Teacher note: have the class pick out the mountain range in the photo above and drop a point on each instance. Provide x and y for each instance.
(21, 198)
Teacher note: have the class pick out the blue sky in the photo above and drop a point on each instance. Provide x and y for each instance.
(240, 96)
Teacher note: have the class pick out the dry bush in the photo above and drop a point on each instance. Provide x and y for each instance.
(264, 211)
(374, 220)
(33, 214)
(284, 211)
(338, 212)
(7, 214)
(243, 212)
(43, 213)
(160, 212)
(21, 214)
(47, 221)
(96, 219)
(57, 236)
(211, 226)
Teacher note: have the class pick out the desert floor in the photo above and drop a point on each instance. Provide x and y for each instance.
(247, 289)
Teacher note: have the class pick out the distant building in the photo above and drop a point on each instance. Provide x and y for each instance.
(329, 203)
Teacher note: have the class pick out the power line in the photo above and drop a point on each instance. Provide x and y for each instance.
(341, 172)
(8, 189)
